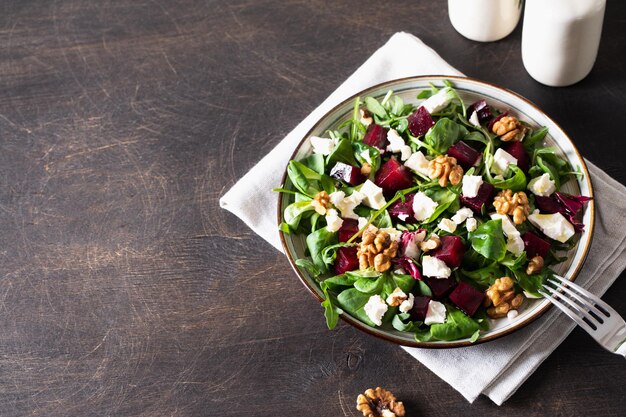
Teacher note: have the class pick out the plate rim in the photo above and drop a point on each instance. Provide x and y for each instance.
(452, 344)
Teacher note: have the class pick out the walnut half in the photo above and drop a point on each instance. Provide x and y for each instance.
(501, 296)
(509, 129)
(376, 250)
(446, 169)
(379, 403)
(516, 205)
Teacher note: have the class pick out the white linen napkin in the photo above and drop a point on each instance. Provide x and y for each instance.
(507, 362)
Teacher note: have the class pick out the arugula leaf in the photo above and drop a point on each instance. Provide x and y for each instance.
(534, 138)
(353, 301)
(512, 262)
(316, 243)
(374, 107)
(530, 283)
(374, 154)
(516, 183)
(295, 211)
(342, 153)
(338, 281)
(370, 285)
(402, 323)
(484, 276)
(304, 178)
(442, 135)
(331, 312)
(488, 240)
(457, 326)
(315, 162)
(309, 267)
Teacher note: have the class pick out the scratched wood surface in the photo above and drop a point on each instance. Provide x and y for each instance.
(126, 290)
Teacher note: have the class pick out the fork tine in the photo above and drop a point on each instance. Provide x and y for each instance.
(594, 299)
(585, 303)
(568, 311)
(582, 313)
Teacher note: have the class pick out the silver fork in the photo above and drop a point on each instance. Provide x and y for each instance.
(599, 319)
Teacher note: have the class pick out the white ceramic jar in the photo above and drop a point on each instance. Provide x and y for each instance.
(560, 39)
(484, 20)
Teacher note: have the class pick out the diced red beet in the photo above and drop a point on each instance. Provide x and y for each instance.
(493, 121)
(482, 109)
(347, 173)
(376, 136)
(420, 308)
(516, 149)
(467, 298)
(534, 245)
(346, 260)
(348, 228)
(485, 192)
(465, 155)
(451, 250)
(420, 121)
(393, 176)
(440, 286)
(400, 209)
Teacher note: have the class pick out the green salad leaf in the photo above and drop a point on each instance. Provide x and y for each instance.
(488, 240)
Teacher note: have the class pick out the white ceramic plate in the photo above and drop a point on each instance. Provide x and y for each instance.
(470, 90)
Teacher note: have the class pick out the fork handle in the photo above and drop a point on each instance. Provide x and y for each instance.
(621, 350)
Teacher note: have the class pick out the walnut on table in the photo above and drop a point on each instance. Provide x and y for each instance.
(379, 403)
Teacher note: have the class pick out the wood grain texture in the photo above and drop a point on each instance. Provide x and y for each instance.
(126, 290)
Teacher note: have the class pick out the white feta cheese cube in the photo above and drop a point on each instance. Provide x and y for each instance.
(471, 224)
(555, 226)
(436, 313)
(405, 152)
(461, 215)
(501, 161)
(375, 308)
(423, 206)
(512, 314)
(322, 146)
(373, 195)
(407, 304)
(365, 154)
(438, 101)
(471, 185)
(515, 245)
(434, 267)
(542, 186)
(473, 119)
(403, 217)
(333, 221)
(417, 162)
(346, 204)
(508, 227)
(362, 221)
(447, 225)
(395, 141)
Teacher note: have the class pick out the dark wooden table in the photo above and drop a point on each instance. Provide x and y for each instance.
(126, 290)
